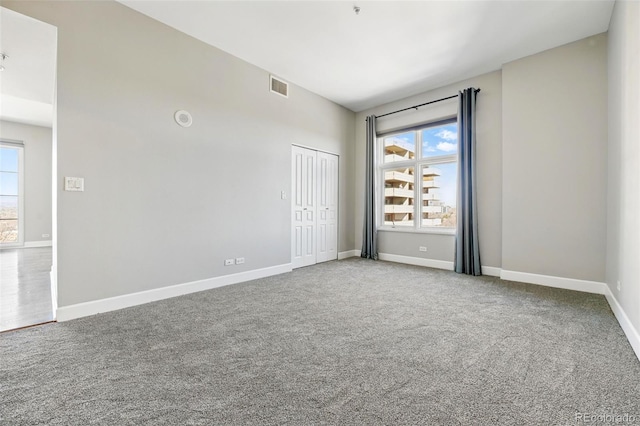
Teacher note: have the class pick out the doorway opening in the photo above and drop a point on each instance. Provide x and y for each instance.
(27, 171)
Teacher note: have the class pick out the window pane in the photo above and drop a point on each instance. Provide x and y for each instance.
(8, 159)
(8, 183)
(439, 195)
(398, 196)
(440, 140)
(8, 207)
(8, 231)
(400, 147)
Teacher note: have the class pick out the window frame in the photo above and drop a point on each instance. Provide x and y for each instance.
(19, 147)
(418, 163)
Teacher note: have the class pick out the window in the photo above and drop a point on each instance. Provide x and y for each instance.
(418, 170)
(10, 194)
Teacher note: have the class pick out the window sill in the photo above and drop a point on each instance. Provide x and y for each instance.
(437, 231)
(10, 245)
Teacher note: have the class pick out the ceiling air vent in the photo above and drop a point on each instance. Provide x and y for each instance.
(280, 87)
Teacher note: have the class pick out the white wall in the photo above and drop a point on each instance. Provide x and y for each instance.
(489, 140)
(37, 177)
(623, 222)
(554, 129)
(165, 205)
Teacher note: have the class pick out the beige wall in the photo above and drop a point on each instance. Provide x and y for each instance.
(623, 230)
(37, 177)
(165, 205)
(554, 129)
(541, 163)
(489, 140)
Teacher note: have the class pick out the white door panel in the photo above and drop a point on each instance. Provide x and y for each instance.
(303, 181)
(327, 174)
(314, 177)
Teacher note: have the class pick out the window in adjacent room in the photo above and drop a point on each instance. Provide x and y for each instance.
(10, 194)
(418, 169)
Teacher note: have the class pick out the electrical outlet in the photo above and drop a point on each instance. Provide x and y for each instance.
(283, 195)
(619, 285)
(422, 248)
(228, 262)
(239, 260)
(46, 235)
(73, 184)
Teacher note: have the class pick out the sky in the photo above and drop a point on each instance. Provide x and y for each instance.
(8, 159)
(8, 177)
(443, 140)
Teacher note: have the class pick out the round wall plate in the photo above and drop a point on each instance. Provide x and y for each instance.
(183, 118)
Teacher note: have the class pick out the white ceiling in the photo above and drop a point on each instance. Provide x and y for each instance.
(27, 83)
(391, 50)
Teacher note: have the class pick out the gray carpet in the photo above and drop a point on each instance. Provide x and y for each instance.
(349, 342)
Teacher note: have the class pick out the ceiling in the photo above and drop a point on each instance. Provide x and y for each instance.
(391, 49)
(28, 81)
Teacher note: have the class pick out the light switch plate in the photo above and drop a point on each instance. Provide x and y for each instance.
(73, 184)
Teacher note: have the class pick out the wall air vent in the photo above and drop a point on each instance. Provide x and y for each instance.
(278, 86)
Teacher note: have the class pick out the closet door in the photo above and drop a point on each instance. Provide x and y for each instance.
(327, 200)
(303, 193)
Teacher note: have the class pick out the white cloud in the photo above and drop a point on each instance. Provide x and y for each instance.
(448, 135)
(430, 149)
(447, 146)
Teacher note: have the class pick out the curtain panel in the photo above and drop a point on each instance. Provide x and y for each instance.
(467, 248)
(369, 231)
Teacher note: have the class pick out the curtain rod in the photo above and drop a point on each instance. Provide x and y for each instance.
(418, 106)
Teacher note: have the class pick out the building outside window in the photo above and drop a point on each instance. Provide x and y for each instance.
(418, 169)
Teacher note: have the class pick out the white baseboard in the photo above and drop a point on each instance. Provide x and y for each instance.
(53, 276)
(66, 313)
(432, 263)
(348, 254)
(418, 261)
(491, 271)
(629, 330)
(557, 282)
(31, 244)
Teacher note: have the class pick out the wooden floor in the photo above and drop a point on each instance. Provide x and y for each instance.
(25, 287)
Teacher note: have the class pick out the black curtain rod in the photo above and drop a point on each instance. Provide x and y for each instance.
(418, 106)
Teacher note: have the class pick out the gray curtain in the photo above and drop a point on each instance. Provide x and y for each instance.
(467, 257)
(369, 231)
